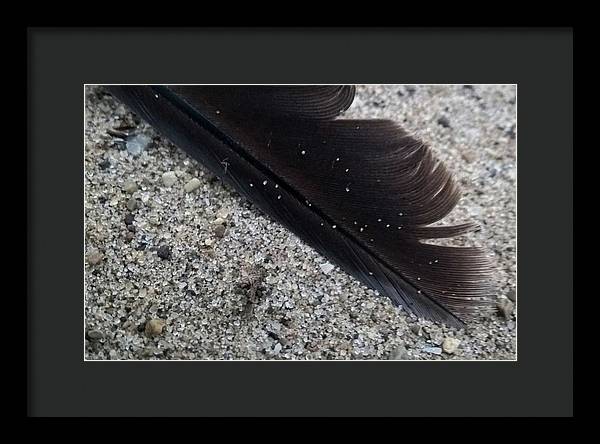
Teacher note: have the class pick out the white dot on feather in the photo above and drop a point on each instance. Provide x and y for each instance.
(156, 96)
(400, 214)
(399, 228)
(265, 182)
(322, 224)
(387, 226)
(418, 278)
(370, 273)
(378, 220)
(303, 152)
(276, 186)
(371, 240)
(251, 184)
(361, 229)
(218, 112)
(347, 189)
(333, 226)
(337, 159)
(279, 197)
(347, 169)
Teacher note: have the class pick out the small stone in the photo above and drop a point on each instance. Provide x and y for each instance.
(131, 204)
(433, 350)
(120, 145)
(219, 221)
(94, 257)
(138, 143)
(223, 213)
(450, 345)
(277, 348)
(416, 329)
(130, 187)
(219, 231)
(129, 218)
(505, 307)
(209, 251)
(169, 178)
(511, 325)
(400, 354)
(469, 157)
(95, 335)
(208, 242)
(164, 252)
(443, 121)
(326, 267)
(104, 164)
(192, 185)
(154, 327)
(512, 295)
(148, 352)
(129, 236)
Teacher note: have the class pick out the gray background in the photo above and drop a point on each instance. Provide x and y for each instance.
(540, 62)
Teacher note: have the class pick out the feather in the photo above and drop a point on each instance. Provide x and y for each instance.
(363, 193)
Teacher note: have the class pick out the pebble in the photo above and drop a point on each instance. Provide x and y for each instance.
(138, 143)
(129, 218)
(148, 352)
(443, 121)
(164, 252)
(416, 329)
(223, 213)
(277, 348)
(131, 204)
(154, 327)
(469, 156)
(192, 185)
(326, 267)
(505, 307)
(219, 230)
(433, 350)
(104, 164)
(95, 335)
(130, 187)
(219, 221)
(450, 345)
(512, 295)
(169, 178)
(94, 257)
(400, 354)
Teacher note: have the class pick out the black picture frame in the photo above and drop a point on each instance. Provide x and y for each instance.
(61, 61)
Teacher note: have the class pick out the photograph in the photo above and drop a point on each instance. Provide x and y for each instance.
(283, 222)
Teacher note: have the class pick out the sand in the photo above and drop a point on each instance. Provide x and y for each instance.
(199, 273)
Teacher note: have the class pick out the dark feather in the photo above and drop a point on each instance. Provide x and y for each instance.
(361, 192)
